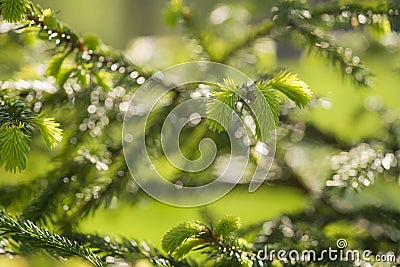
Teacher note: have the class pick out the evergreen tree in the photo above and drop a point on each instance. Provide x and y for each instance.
(92, 83)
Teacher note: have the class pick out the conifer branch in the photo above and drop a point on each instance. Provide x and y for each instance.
(278, 233)
(221, 243)
(45, 204)
(259, 98)
(14, 10)
(298, 17)
(127, 249)
(340, 57)
(336, 8)
(26, 238)
(87, 203)
(11, 194)
(89, 48)
(96, 66)
(17, 122)
(178, 11)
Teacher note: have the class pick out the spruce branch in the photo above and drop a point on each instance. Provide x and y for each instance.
(312, 223)
(44, 205)
(128, 250)
(54, 65)
(221, 243)
(17, 122)
(14, 10)
(92, 54)
(299, 231)
(258, 98)
(220, 106)
(14, 145)
(74, 171)
(25, 237)
(49, 129)
(273, 100)
(55, 184)
(297, 17)
(336, 8)
(11, 194)
(341, 57)
(177, 11)
(180, 234)
(227, 226)
(292, 86)
(88, 203)
(382, 15)
(15, 112)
